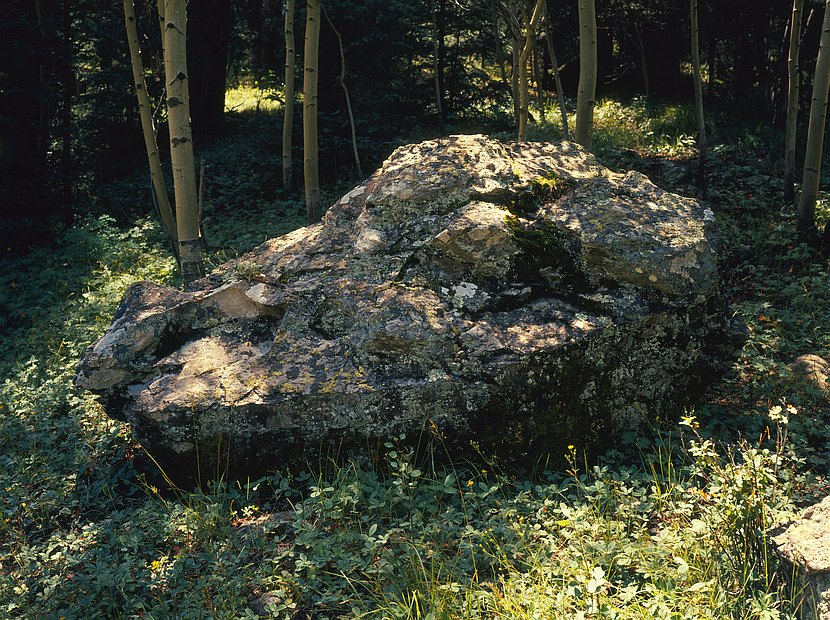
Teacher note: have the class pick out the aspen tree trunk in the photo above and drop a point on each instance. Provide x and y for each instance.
(181, 140)
(162, 200)
(524, 96)
(560, 96)
(342, 81)
(538, 78)
(509, 10)
(587, 73)
(288, 112)
(310, 147)
(514, 81)
(531, 22)
(438, 59)
(806, 211)
(701, 119)
(452, 87)
(68, 79)
(160, 12)
(792, 101)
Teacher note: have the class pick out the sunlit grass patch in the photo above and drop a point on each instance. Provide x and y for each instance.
(253, 98)
(822, 209)
(649, 129)
(653, 130)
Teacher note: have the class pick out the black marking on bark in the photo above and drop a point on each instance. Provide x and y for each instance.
(181, 76)
(172, 102)
(178, 141)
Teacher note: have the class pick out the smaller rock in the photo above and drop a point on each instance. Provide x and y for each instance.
(812, 369)
(804, 545)
(264, 604)
(263, 525)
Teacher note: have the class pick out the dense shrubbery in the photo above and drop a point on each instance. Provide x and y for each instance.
(671, 525)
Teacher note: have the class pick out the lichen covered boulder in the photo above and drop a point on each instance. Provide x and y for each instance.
(519, 295)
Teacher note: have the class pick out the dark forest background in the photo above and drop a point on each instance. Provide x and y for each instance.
(68, 117)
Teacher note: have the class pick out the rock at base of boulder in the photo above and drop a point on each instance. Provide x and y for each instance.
(813, 369)
(804, 545)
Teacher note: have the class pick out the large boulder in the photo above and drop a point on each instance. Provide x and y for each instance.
(519, 295)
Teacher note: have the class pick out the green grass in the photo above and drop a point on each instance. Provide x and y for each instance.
(673, 524)
(253, 98)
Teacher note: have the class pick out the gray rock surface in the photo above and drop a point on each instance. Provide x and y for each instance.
(804, 544)
(811, 368)
(520, 295)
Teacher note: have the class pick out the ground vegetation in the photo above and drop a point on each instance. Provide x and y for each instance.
(673, 523)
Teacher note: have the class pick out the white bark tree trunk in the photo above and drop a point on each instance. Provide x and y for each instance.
(701, 119)
(310, 145)
(181, 140)
(288, 113)
(531, 22)
(806, 211)
(586, 93)
(162, 200)
(792, 101)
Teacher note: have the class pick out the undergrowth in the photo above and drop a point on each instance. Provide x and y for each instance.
(672, 524)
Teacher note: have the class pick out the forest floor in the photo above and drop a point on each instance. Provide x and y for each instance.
(671, 524)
